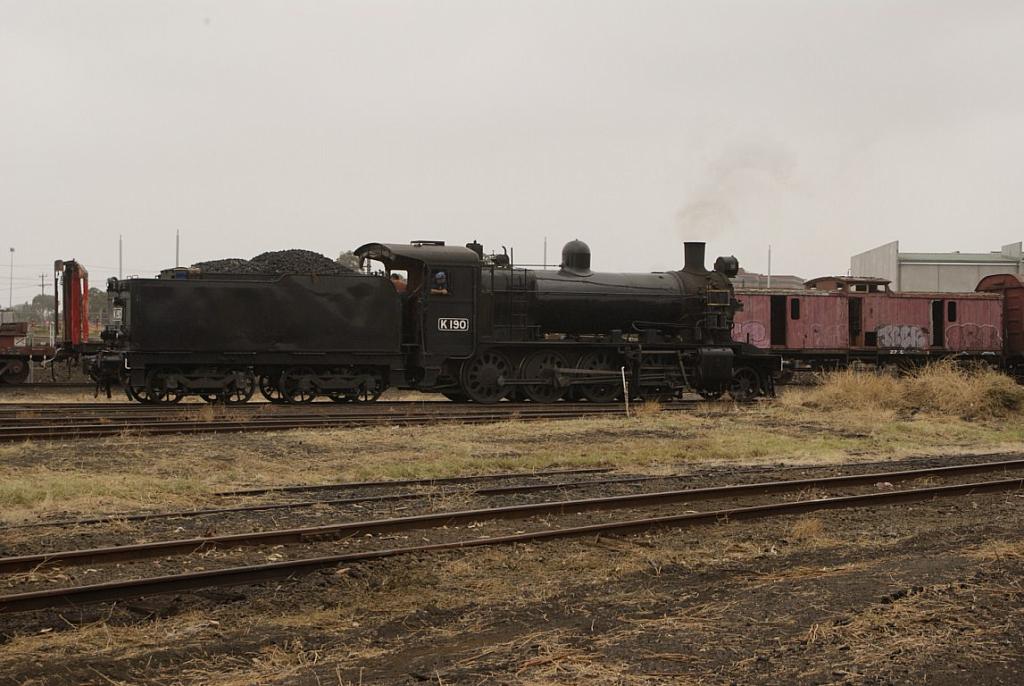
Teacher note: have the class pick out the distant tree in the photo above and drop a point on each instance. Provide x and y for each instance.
(40, 309)
(43, 302)
(347, 259)
(99, 306)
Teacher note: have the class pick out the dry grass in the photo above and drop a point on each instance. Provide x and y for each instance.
(971, 626)
(206, 413)
(132, 471)
(808, 530)
(646, 409)
(997, 551)
(944, 388)
(45, 490)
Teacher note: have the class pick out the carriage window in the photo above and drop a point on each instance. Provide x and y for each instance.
(951, 311)
(794, 308)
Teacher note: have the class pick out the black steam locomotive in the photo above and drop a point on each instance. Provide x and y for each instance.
(469, 326)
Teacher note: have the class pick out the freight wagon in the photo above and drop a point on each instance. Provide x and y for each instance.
(19, 351)
(835, 321)
(1010, 287)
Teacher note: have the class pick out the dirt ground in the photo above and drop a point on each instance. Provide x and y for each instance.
(918, 593)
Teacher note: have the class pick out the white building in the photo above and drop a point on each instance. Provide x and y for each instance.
(936, 272)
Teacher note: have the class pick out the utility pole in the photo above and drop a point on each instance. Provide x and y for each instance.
(769, 265)
(46, 316)
(10, 292)
(177, 248)
(545, 252)
(120, 258)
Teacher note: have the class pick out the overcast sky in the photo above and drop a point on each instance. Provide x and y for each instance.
(822, 127)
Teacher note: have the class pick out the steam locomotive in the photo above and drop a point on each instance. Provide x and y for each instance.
(493, 332)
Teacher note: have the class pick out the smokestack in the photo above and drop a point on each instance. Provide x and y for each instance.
(693, 256)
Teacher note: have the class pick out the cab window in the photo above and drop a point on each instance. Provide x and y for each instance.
(440, 282)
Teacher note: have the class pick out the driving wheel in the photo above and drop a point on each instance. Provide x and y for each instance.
(484, 377)
(542, 365)
(603, 391)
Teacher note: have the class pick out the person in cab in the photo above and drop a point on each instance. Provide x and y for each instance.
(440, 284)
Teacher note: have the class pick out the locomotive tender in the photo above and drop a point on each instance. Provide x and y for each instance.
(494, 331)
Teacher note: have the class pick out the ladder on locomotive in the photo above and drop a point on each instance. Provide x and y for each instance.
(717, 308)
(519, 306)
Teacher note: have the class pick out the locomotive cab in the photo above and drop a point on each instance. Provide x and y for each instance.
(439, 305)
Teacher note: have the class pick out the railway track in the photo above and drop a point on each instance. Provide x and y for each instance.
(60, 423)
(379, 498)
(43, 406)
(46, 385)
(10, 409)
(486, 491)
(369, 530)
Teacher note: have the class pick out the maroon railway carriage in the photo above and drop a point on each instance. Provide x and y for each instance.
(1011, 288)
(837, 320)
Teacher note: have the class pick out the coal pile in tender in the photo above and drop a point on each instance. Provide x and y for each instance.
(277, 262)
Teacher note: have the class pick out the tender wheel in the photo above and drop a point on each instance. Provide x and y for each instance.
(297, 385)
(241, 390)
(140, 394)
(270, 390)
(162, 386)
(484, 377)
(542, 365)
(603, 392)
(16, 373)
(370, 389)
(366, 392)
(745, 384)
(340, 396)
